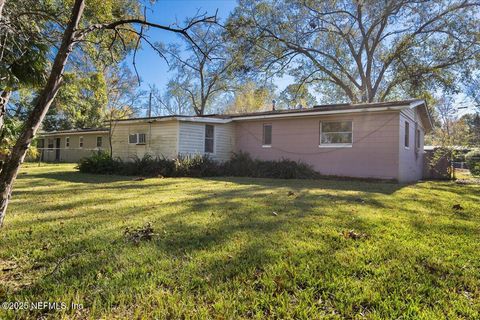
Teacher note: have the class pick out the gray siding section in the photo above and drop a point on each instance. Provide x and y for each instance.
(192, 140)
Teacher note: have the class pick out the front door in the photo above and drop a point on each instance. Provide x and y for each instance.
(57, 150)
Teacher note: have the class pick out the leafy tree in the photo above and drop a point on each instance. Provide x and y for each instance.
(296, 95)
(81, 102)
(102, 23)
(250, 97)
(366, 50)
(472, 122)
(123, 96)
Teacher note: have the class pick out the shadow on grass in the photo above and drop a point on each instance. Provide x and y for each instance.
(209, 238)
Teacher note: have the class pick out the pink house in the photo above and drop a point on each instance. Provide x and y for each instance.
(369, 140)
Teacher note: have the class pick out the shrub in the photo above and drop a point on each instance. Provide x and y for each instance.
(99, 162)
(240, 165)
(473, 161)
(196, 166)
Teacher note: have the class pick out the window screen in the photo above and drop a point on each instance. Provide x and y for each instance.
(141, 138)
(407, 134)
(267, 134)
(99, 141)
(336, 133)
(132, 138)
(209, 137)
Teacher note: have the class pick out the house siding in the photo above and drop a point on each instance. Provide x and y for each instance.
(192, 139)
(73, 153)
(373, 154)
(161, 139)
(410, 159)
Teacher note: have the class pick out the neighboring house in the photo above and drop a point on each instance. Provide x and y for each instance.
(72, 145)
(370, 140)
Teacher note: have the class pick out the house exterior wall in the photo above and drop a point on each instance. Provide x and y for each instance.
(373, 154)
(160, 139)
(74, 152)
(411, 159)
(192, 139)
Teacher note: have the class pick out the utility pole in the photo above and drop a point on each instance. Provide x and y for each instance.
(150, 105)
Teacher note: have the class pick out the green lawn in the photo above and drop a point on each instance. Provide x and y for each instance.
(221, 252)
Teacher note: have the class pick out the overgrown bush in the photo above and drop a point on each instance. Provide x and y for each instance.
(240, 165)
(99, 162)
(473, 161)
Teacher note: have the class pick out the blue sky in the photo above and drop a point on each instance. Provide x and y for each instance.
(151, 67)
(153, 70)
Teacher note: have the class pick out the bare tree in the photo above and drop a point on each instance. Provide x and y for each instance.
(204, 73)
(72, 36)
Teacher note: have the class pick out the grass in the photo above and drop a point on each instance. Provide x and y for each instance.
(220, 251)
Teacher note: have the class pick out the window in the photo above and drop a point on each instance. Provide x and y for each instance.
(80, 142)
(50, 143)
(41, 143)
(336, 133)
(132, 138)
(267, 135)
(99, 142)
(209, 135)
(418, 138)
(407, 134)
(67, 142)
(141, 138)
(137, 138)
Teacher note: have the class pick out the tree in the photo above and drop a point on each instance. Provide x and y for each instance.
(250, 97)
(24, 45)
(72, 35)
(122, 97)
(295, 95)
(174, 101)
(81, 102)
(204, 73)
(368, 50)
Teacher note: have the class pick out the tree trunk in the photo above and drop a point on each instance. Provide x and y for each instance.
(11, 167)
(2, 3)
(4, 97)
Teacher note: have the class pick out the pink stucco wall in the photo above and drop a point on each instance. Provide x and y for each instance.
(374, 153)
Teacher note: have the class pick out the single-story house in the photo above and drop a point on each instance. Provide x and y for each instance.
(369, 140)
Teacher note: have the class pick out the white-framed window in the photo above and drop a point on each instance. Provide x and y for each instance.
(67, 142)
(137, 138)
(80, 142)
(267, 135)
(407, 135)
(336, 133)
(99, 142)
(209, 138)
(50, 143)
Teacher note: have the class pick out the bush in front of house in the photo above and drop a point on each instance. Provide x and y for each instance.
(473, 161)
(242, 165)
(99, 162)
(239, 165)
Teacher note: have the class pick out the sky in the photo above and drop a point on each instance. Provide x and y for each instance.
(152, 69)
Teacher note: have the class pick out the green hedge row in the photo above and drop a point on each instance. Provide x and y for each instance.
(473, 161)
(240, 165)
